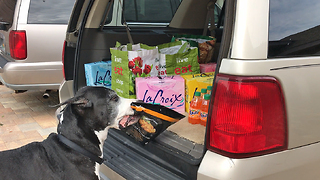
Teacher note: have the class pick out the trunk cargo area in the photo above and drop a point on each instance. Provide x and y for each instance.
(174, 154)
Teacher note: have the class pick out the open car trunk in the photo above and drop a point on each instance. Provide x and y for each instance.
(177, 152)
(6, 13)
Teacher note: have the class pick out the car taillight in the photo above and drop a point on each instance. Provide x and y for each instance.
(247, 117)
(63, 51)
(18, 44)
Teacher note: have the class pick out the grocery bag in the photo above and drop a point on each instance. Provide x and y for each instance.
(205, 45)
(131, 61)
(168, 91)
(178, 58)
(195, 83)
(98, 73)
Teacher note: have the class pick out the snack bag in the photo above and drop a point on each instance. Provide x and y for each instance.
(98, 73)
(195, 83)
(131, 61)
(167, 91)
(178, 58)
(205, 44)
(154, 119)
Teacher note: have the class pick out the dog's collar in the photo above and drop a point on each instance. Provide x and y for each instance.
(79, 149)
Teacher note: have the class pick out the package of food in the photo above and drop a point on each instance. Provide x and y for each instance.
(153, 120)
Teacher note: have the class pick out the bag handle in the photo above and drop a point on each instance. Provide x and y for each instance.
(126, 25)
(210, 15)
(106, 15)
(183, 47)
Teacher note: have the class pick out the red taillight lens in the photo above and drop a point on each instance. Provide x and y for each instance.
(63, 51)
(248, 117)
(18, 44)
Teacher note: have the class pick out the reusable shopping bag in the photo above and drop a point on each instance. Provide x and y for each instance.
(131, 61)
(205, 45)
(178, 58)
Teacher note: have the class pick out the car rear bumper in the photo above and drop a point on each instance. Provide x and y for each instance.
(28, 76)
(299, 163)
(66, 90)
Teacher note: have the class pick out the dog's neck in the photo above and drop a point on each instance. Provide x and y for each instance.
(73, 134)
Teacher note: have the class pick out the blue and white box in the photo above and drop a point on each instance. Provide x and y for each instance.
(98, 73)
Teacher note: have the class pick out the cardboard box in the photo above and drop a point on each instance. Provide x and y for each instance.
(167, 91)
(195, 83)
(98, 73)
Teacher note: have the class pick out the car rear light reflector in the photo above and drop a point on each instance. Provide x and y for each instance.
(248, 117)
(18, 44)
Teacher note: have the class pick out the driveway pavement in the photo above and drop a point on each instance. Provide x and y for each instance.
(25, 117)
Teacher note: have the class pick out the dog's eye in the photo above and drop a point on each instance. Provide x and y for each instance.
(115, 98)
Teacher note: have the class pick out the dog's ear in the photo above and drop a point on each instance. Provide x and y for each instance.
(80, 105)
(82, 102)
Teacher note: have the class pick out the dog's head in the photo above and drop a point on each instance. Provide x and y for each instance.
(99, 108)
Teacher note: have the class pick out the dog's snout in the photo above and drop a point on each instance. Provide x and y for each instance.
(126, 105)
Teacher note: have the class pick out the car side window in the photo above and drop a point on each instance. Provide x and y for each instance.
(294, 28)
(50, 11)
(150, 11)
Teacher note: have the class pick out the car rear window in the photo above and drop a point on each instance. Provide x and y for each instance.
(294, 28)
(150, 11)
(50, 11)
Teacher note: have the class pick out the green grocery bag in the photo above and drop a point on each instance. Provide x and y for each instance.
(178, 58)
(205, 45)
(131, 61)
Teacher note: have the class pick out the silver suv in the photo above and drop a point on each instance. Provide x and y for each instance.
(264, 116)
(31, 39)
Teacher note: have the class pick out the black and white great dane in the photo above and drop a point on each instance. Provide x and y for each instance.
(75, 151)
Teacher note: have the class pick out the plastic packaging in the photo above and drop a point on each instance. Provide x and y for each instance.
(209, 89)
(153, 120)
(194, 110)
(204, 109)
(203, 92)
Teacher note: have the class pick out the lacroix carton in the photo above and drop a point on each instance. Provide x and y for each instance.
(168, 91)
(98, 73)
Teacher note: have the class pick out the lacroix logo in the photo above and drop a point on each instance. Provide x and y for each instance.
(160, 97)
